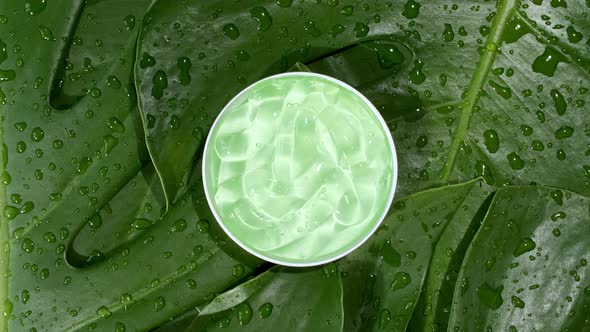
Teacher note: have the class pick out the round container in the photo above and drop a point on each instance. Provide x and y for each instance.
(299, 169)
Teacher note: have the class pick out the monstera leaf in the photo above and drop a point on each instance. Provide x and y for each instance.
(104, 106)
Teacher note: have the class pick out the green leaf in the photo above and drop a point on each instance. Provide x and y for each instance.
(382, 280)
(67, 160)
(527, 267)
(279, 299)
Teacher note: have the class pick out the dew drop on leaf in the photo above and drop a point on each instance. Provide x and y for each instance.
(564, 132)
(261, 15)
(448, 34)
(178, 226)
(231, 31)
(504, 91)
(265, 310)
(160, 82)
(184, 65)
(159, 303)
(558, 101)
(547, 62)
(28, 245)
(400, 280)
(416, 75)
(129, 22)
(34, 7)
(411, 9)
(244, 313)
(3, 53)
(238, 270)
(284, 3)
(361, 30)
(141, 223)
(517, 302)
(489, 296)
(537, 145)
(491, 140)
(525, 245)
(147, 61)
(347, 10)
(7, 75)
(113, 82)
(384, 318)
(515, 162)
(46, 33)
(103, 312)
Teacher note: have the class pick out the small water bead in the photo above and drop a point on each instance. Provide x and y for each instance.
(113, 82)
(159, 303)
(261, 15)
(244, 313)
(490, 296)
(504, 91)
(21, 147)
(347, 10)
(238, 270)
(115, 125)
(384, 318)
(46, 33)
(10, 212)
(336, 30)
(231, 31)
(129, 22)
(311, 28)
(160, 83)
(147, 61)
(28, 245)
(178, 226)
(401, 280)
(103, 312)
(537, 145)
(37, 134)
(573, 35)
(560, 155)
(448, 34)
(547, 62)
(284, 3)
(515, 162)
(7, 75)
(564, 132)
(34, 7)
(361, 30)
(517, 302)
(558, 101)
(411, 9)
(141, 223)
(416, 75)
(526, 245)
(265, 310)
(184, 65)
(491, 140)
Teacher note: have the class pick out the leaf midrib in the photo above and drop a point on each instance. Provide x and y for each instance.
(507, 9)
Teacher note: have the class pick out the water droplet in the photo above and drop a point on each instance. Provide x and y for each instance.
(109, 144)
(388, 55)
(558, 3)
(491, 297)
(231, 30)
(265, 310)
(37, 134)
(312, 29)
(103, 312)
(25, 296)
(558, 101)
(560, 154)
(28, 245)
(83, 165)
(361, 30)
(95, 221)
(504, 91)
(119, 327)
(141, 223)
(178, 226)
(333, 3)
(558, 215)
(34, 7)
(203, 226)
(574, 36)
(46, 33)
(547, 62)
(448, 34)
(390, 255)
(526, 245)
(238, 270)
(416, 75)
(537, 145)
(160, 82)
(400, 280)
(115, 125)
(147, 61)
(557, 196)
(384, 318)
(159, 303)
(113, 82)
(564, 132)
(7, 75)
(49, 237)
(284, 3)
(244, 313)
(515, 162)
(411, 9)
(421, 142)
(517, 302)
(347, 10)
(3, 53)
(20, 126)
(515, 30)
(336, 30)
(44, 274)
(126, 299)
(491, 140)
(261, 15)
(129, 22)
(526, 130)
(7, 308)
(191, 284)
(184, 65)
(10, 212)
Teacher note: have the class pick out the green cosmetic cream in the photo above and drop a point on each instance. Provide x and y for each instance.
(299, 169)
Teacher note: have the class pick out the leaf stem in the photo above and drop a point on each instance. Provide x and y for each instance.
(506, 10)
